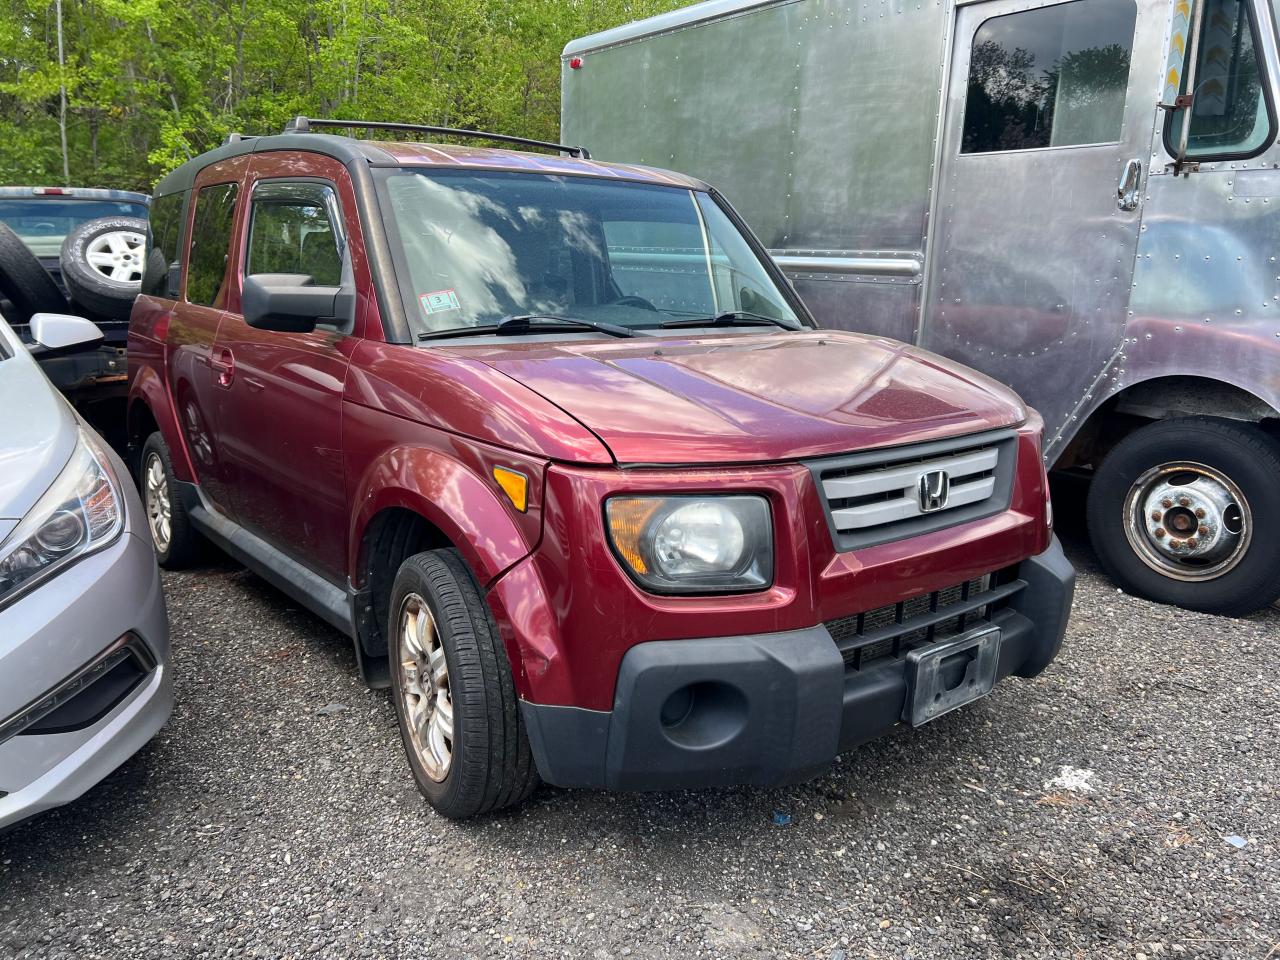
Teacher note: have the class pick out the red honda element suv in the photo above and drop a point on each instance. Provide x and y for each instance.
(556, 444)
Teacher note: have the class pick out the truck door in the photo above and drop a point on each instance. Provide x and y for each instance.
(1049, 114)
(281, 408)
(194, 370)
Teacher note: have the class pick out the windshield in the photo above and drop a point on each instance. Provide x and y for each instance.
(42, 223)
(472, 249)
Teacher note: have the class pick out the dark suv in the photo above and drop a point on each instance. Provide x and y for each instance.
(559, 448)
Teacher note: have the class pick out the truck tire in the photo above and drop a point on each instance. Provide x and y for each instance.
(454, 696)
(102, 264)
(1187, 512)
(24, 283)
(177, 543)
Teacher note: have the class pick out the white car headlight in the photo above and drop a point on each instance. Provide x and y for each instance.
(80, 513)
(713, 544)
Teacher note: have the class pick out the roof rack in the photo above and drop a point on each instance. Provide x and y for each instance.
(304, 125)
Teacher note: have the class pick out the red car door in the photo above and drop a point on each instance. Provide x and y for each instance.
(193, 361)
(280, 414)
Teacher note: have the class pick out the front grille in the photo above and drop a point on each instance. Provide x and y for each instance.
(885, 495)
(897, 628)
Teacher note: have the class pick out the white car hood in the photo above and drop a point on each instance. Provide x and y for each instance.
(38, 431)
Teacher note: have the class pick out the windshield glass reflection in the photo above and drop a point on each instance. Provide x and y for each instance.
(472, 249)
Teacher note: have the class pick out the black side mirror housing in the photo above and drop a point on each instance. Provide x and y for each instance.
(293, 303)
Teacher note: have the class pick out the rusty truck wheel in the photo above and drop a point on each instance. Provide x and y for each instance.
(1187, 512)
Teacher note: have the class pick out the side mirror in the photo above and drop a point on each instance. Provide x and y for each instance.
(292, 303)
(58, 333)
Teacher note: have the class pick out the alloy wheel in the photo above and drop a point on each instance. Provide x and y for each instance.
(424, 687)
(155, 491)
(117, 255)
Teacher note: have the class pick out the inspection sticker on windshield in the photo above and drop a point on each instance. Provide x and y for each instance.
(439, 301)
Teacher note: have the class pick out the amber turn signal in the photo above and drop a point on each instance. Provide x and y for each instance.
(515, 485)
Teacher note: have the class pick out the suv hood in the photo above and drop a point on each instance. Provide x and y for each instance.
(38, 436)
(739, 398)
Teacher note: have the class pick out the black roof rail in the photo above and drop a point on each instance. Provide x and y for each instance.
(304, 125)
(236, 138)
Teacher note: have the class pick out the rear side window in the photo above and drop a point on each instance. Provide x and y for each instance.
(1230, 114)
(210, 242)
(294, 230)
(1049, 77)
(165, 225)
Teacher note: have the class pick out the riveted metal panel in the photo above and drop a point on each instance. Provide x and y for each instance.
(1206, 287)
(1205, 302)
(815, 118)
(825, 122)
(1033, 258)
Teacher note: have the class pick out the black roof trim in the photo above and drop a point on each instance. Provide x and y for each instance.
(342, 149)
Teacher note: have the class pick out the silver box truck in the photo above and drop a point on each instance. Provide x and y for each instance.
(1081, 199)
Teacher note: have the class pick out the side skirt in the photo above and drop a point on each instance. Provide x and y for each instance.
(337, 606)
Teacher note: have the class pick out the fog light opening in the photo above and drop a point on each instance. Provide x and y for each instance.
(703, 716)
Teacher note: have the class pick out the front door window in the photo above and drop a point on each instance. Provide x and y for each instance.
(1231, 115)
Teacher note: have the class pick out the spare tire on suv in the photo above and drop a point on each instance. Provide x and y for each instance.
(24, 282)
(102, 264)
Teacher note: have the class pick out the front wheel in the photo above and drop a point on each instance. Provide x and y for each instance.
(454, 695)
(1187, 512)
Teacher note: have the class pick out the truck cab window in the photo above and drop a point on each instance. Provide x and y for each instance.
(1049, 77)
(292, 231)
(1231, 116)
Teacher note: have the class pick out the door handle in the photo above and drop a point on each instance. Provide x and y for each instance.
(223, 363)
(1130, 181)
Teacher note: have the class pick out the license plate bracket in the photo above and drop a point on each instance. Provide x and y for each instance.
(951, 673)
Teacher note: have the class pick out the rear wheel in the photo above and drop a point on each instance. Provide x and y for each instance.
(176, 541)
(454, 696)
(1187, 512)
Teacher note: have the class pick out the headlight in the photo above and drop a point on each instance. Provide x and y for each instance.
(715, 544)
(79, 514)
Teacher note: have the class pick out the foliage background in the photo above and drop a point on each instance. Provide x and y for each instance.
(153, 82)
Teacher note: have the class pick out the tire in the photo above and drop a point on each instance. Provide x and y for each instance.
(102, 264)
(1187, 512)
(184, 545)
(489, 763)
(24, 283)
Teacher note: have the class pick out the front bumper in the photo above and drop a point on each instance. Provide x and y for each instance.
(764, 709)
(47, 638)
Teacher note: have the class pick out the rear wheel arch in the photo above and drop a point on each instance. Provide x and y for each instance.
(140, 423)
(152, 408)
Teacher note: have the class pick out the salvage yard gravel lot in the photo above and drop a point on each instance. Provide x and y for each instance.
(1098, 811)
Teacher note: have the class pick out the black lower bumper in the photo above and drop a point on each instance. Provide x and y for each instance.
(764, 709)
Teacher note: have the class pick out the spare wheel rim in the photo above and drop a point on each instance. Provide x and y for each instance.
(117, 255)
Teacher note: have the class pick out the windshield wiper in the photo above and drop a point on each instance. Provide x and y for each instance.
(734, 318)
(526, 322)
(522, 323)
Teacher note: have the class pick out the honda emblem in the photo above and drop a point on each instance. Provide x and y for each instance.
(933, 489)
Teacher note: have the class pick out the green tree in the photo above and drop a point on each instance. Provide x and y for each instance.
(153, 82)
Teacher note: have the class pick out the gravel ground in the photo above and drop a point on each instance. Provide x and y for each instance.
(1082, 814)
